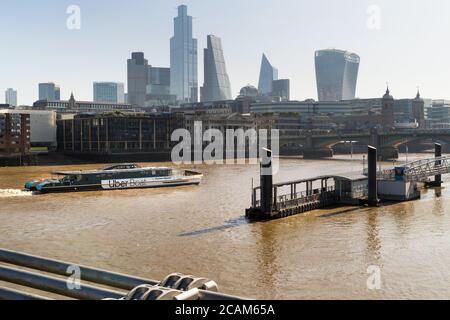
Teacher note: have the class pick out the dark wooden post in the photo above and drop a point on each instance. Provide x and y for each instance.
(438, 154)
(373, 186)
(266, 183)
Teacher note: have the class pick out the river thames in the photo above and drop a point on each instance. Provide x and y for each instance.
(202, 231)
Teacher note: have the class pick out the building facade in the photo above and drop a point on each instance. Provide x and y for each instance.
(118, 133)
(109, 92)
(11, 97)
(439, 114)
(267, 75)
(281, 89)
(158, 88)
(217, 85)
(184, 59)
(14, 133)
(336, 74)
(49, 91)
(137, 71)
(80, 106)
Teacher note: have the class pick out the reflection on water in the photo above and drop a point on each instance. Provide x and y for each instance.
(201, 231)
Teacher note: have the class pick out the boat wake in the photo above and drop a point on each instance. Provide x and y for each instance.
(13, 193)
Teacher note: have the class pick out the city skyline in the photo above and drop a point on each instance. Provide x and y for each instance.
(396, 53)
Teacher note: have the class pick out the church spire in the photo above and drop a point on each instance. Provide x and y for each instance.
(418, 93)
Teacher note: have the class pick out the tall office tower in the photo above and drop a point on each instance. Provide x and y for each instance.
(109, 92)
(49, 91)
(57, 93)
(217, 83)
(158, 88)
(137, 79)
(266, 77)
(183, 59)
(282, 89)
(336, 74)
(11, 97)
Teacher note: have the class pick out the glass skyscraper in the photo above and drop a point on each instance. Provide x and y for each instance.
(183, 59)
(266, 77)
(217, 83)
(336, 74)
(49, 91)
(109, 92)
(137, 79)
(11, 97)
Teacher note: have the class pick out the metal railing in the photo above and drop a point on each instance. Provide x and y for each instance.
(118, 286)
(300, 198)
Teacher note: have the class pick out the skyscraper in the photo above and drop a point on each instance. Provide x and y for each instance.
(49, 91)
(11, 97)
(137, 79)
(183, 59)
(158, 87)
(217, 83)
(281, 89)
(109, 92)
(336, 74)
(266, 77)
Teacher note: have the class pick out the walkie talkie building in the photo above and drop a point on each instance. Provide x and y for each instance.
(336, 74)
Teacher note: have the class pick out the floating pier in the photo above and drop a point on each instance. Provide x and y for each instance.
(274, 201)
(54, 277)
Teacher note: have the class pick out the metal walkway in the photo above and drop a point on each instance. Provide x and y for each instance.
(418, 171)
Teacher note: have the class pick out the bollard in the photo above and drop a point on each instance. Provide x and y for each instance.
(373, 183)
(266, 183)
(438, 154)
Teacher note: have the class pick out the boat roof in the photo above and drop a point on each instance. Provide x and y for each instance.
(99, 171)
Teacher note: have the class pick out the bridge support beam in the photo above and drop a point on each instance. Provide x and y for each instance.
(317, 153)
(373, 183)
(389, 153)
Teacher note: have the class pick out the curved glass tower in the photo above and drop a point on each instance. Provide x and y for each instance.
(336, 74)
(217, 83)
(183, 59)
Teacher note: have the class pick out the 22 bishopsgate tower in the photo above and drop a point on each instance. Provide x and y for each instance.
(183, 59)
(337, 74)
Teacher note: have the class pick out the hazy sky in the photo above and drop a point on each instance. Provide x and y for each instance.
(409, 49)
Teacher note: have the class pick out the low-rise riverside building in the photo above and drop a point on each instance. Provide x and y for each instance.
(81, 106)
(14, 133)
(117, 133)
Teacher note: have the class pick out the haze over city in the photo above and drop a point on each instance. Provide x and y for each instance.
(406, 47)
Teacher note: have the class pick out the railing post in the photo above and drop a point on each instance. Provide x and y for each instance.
(373, 183)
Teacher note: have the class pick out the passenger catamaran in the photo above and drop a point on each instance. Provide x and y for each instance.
(124, 176)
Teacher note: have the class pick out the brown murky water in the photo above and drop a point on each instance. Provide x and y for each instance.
(201, 231)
